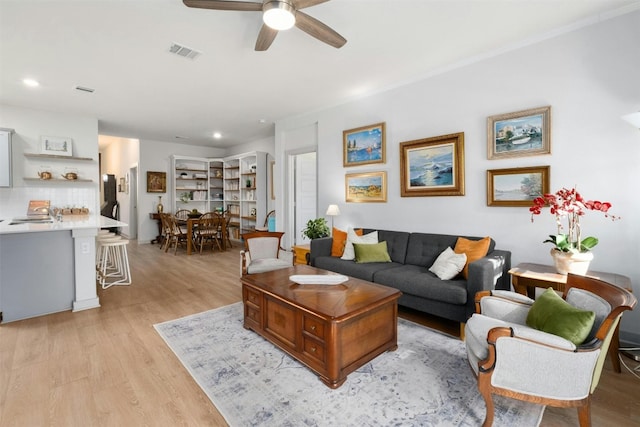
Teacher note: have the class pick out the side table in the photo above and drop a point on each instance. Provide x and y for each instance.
(156, 216)
(302, 253)
(526, 277)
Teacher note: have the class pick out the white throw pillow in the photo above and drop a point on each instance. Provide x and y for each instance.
(349, 253)
(448, 264)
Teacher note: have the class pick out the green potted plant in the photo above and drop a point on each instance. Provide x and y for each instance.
(316, 228)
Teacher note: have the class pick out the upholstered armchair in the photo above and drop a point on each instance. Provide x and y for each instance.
(262, 252)
(529, 363)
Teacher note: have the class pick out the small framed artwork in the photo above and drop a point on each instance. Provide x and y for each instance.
(364, 145)
(432, 166)
(523, 133)
(56, 145)
(366, 187)
(516, 186)
(156, 182)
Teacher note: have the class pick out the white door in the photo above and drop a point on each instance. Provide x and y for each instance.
(305, 205)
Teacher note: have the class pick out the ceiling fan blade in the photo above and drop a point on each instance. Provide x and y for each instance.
(317, 29)
(224, 5)
(301, 4)
(265, 37)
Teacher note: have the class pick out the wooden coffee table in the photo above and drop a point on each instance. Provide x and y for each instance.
(333, 330)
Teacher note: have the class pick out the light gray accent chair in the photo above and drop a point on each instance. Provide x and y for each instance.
(262, 252)
(513, 360)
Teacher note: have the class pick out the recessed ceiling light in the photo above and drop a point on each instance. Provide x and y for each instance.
(263, 120)
(217, 135)
(31, 82)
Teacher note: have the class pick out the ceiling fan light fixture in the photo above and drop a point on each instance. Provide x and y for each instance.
(279, 15)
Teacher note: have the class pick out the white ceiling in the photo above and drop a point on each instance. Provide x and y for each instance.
(120, 48)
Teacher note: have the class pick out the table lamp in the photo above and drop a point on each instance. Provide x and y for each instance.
(332, 211)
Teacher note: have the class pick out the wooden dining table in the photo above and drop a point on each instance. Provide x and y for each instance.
(190, 230)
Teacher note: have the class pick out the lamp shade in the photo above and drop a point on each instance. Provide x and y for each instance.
(279, 15)
(633, 119)
(333, 210)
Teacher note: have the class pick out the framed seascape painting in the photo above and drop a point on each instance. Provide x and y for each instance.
(432, 166)
(516, 186)
(156, 182)
(523, 133)
(364, 145)
(366, 187)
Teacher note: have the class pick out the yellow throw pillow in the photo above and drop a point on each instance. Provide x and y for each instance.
(339, 240)
(473, 249)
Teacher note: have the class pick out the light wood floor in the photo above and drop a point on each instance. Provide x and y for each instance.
(108, 366)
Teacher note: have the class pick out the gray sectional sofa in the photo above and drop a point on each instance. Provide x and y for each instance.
(412, 254)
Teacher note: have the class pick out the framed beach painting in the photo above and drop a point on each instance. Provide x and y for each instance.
(522, 133)
(366, 187)
(364, 145)
(432, 166)
(516, 186)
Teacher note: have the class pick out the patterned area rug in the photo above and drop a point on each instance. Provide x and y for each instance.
(425, 382)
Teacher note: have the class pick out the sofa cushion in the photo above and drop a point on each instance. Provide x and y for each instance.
(419, 281)
(474, 249)
(352, 238)
(352, 268)
(340, 240)
(371, 252)
(397, 242)
(423, 248)
(448, 264)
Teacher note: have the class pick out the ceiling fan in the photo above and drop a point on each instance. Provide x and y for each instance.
(277, 15)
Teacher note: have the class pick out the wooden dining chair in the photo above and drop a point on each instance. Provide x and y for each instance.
(182, 214)
(209, 230)
(176, 234)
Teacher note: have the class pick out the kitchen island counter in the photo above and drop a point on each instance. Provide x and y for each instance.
(50, 267)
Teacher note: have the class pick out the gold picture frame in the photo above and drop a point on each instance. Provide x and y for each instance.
(517, 186)
(156, 182)
(432, 166)
(366, 187)
(364, 145)
(518, 134)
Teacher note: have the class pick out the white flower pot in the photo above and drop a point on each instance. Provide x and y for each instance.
(569, 262)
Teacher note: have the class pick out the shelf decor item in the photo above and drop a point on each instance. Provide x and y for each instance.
(56, 145)
(570, 246)
(160, 206)
(156, 182)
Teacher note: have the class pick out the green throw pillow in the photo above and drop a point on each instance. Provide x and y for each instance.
(551, 314)
(371, 252)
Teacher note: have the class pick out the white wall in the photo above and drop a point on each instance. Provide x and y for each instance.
(29, 126)
(589, 77)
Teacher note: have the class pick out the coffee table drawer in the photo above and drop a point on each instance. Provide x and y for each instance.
(314, 349)
(313, 326)
(253, 297)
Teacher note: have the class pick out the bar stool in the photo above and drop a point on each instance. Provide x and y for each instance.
(113, 261)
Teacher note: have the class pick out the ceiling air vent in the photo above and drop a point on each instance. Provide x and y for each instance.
(85, 89)
(184, 51)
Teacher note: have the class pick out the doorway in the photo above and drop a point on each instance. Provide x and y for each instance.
(303, 188)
